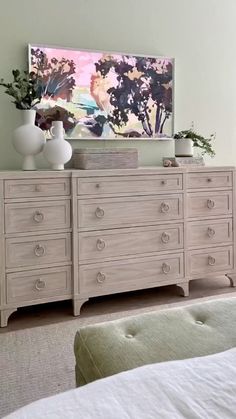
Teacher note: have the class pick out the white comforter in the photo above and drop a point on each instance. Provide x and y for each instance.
(195, 388)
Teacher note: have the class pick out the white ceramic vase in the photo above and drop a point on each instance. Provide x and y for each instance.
(183, 147)
(57, 151)
(28, 139)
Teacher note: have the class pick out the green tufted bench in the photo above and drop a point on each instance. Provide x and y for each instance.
(195, 330)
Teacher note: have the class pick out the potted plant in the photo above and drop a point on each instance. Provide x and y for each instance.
(28, 139)
(187, 139)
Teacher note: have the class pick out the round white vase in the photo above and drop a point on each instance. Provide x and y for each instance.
(28, 139)
(57, 151)
(183, 147)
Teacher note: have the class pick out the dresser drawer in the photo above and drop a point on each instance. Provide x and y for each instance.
(209, 180)
(209, 203)
(98, 213)
(103, 278)
(206, 261)
(202, 233)
(39, 250)
(40, 284)
(129, 241)
(150, 184)
(33, 188)
(33, 216)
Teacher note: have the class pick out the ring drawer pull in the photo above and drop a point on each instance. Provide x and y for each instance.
(163, 182)
(99, 212)
(210, 232)
(39, 250)
(38, 217)
(97, 185)
(101, 277)
(37, 188)
(40, 284)
(165, 237)
(101, 244)
(210, 203)
(211, 261)
(209, 179)
(165, 268)
(164, 207)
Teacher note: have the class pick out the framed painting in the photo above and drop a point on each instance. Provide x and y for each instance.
(104, 95)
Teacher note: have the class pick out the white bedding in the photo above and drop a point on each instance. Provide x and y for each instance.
(195, 388)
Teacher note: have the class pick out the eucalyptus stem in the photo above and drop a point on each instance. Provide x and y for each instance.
(25, 89)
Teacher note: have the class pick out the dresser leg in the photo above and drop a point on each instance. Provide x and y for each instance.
(4, 316)
(77, 304)
(184, 287)
(232, 279)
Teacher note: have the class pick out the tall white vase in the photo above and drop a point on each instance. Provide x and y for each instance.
(28, 139)
(57, 151)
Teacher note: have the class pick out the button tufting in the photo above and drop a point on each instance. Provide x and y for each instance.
(129, 336)
(199, 322)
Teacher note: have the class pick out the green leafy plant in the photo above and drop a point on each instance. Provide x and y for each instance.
(25, 89)
(205, 144)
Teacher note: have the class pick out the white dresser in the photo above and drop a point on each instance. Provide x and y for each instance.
(79, 234)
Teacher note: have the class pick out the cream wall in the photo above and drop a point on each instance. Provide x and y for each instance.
(200, 34)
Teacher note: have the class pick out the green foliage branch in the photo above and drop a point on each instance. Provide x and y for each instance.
(25, 89)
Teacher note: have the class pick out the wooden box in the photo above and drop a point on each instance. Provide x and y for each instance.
(108, 158)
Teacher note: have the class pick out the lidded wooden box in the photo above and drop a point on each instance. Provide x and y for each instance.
(105, 158)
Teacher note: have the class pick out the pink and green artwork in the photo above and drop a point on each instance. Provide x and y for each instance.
(100, 95)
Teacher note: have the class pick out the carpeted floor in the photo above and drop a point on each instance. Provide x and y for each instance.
(38, 362)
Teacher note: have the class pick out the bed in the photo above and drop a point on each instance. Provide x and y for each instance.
(197, 388)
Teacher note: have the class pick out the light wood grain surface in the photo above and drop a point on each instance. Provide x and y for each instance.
(78, 234)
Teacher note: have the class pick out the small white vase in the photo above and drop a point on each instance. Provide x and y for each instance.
(28, 139)
(183, 147)
(57, 151)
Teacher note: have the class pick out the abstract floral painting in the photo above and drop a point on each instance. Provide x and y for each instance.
(101, 95)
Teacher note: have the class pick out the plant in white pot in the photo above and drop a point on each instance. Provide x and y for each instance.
(186, 140)
(28, 139)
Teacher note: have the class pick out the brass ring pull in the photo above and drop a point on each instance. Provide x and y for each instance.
(99, 212)
(211, 261)
(38, 217)
(164, 207)
(210, 232)
(39, 250)
(40, 284)
(210, 203)
(165, 237)
(101, 277)
(101, 244)
(165, 268)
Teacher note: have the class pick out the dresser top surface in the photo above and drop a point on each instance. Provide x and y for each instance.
(147, 170)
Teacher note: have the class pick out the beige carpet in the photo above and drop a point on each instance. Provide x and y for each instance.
(39, 362)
